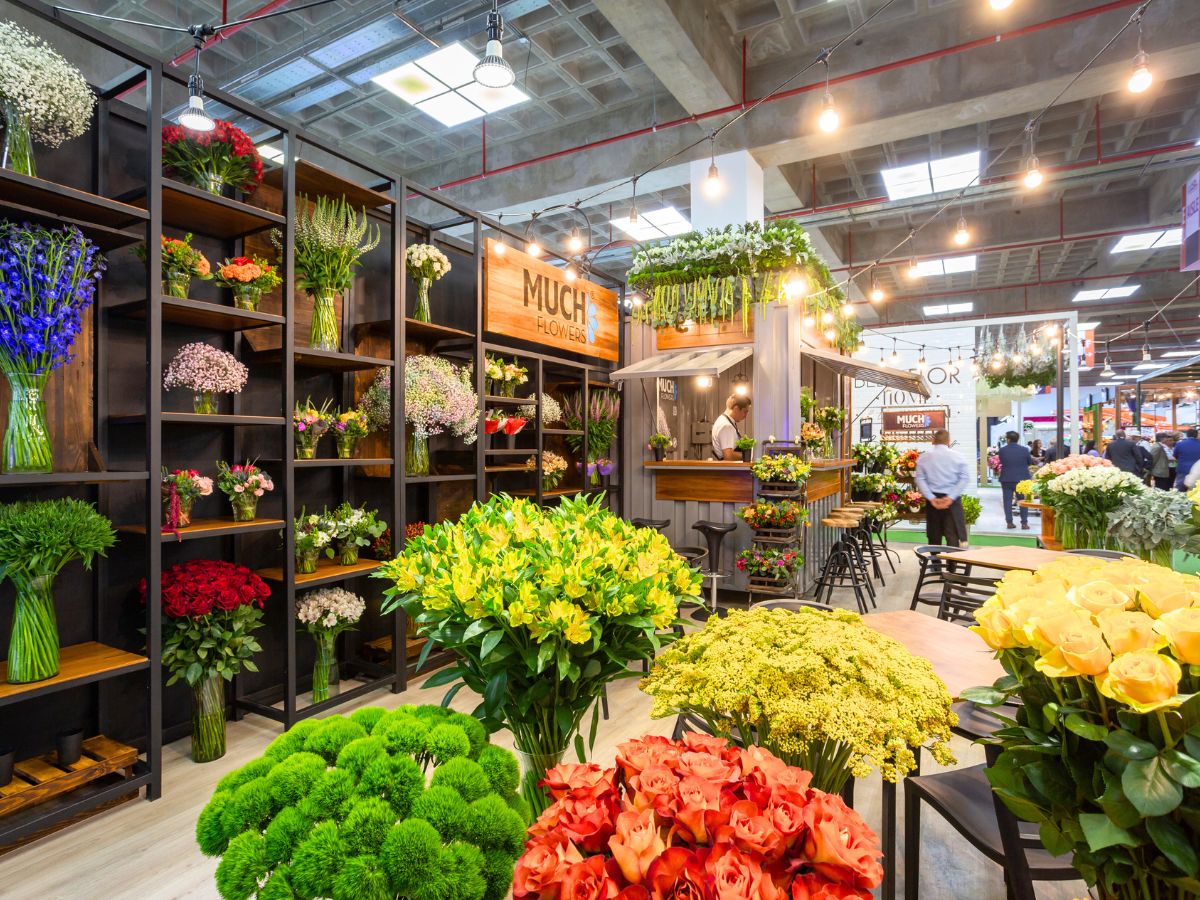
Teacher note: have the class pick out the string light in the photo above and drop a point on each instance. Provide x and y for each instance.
(1017, 359)
(570, 273)
(809, 322)
(1035, 349)
(575, 241)
(848, 310)
(533, 248)
(975, 370)
(633, 213)
(997, 365)
(895, 357)
(827, 318)
(1108, 369)
(877, 295)
(914, 270)
(1142, 77)
(829, 120)
(862, 347)
(921, 364)
(796, 286)
(830, 335)
(962, 235)
(712, 184)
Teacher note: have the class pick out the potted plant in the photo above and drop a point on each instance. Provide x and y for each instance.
(331, 239)
(540, 658)
(745, 445)
(770, 569)
(180, 489)
(426, 264)
(206, 372)
(249, 277)
(437, 397)
(353, 528)
(42, 96)
(878, 458)
(349, 428)
(50, 278)
(905, 466)
(37, 539)
(1153, 525)
(773, 517)
(780, 473)
(213, 160)
(180, 263)
(313, 534)
(244, 485)
(326, 613)
(212, 607)
(658, 444)
(359, 819)
(310, 424)
(972, 510)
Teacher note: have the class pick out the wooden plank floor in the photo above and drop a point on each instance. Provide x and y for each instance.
(147, 851)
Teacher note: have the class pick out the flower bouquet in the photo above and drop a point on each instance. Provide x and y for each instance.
(353, 528)
(331, 239)
(344, 806)
(211, 609)
(37, 539)
(515, 375)
(244, 486)
(542, 608)
(49, 279)
(349, 428)
(313, 535)
(376, 400)
(212, 160)
(493, 421)
(605, 466)
(1104, 752)
(831, 419)
(905, 467)
(872, 485)
(249, 277)
(310, 424)
(503, 378)
(1052, 470)
(819, 689)
(206, 371)
(1028, 488)
(771, 514)
(42, 96)
(993, 461)
(493, 374)
(784, 469)
(659, 444)
(326, 613)
(1153, 524)
(554, 467)
(426, 264)
(514, 425)
(777, 566)
(180, 490)
(437, 396)
(1082, 500)
(599, 421)
(695, 818)
(878, 458)
(814, 439)
(181, 262)
(913, 503)
(551, 410)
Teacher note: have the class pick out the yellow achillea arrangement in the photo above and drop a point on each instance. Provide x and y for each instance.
(818, 689)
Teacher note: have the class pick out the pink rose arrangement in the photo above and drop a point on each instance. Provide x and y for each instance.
(696, 819)
(1069, 464)
(244, 485)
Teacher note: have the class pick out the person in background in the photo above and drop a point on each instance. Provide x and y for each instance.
(1015, 461)
(1089, 449)
(1051, 453)
(1160, 460)
(725, 432)
(942, 477)
(1035, 450)
(1125, 455)
(1187, 454)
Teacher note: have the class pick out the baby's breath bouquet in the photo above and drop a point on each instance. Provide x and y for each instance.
(542, 608)
(426, 264)
(42, 97)
(552, 410)
(820, 690)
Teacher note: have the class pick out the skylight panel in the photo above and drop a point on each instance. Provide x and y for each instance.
(655, 224)
(454, 65)
(1173, 237)
(1114, 293)
(948, 309)
(1132, 243)
(1084, 296)
(411, 83)
(954, 173)
(958, 264)
(450, 109)
(907, 181)
(492, 100)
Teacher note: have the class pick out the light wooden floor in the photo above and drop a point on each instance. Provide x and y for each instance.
(147, 851)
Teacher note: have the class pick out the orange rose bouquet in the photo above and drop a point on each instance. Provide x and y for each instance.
(248, 277)
(695, 818)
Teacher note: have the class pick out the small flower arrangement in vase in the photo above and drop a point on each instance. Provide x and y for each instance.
(913, 502)
(180, 490)
(812, 437)
(553, 469)
(745, 445)
(906, 466)
(313, 535)
(349, 428)
(659, 444)
(249, 277)
(515, 375)
(353, 528)
(325, 614)
(310, 425)
(212, 160)
(437, 397)
(604, 466)
(206, 371)
(181, 262)
(493, 374)
(514, 425)
(426, 264)
(244, 486)
(831, 419)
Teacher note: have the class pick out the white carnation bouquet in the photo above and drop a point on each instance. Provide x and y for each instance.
(329, 609)
(39, 86)
(426, 261)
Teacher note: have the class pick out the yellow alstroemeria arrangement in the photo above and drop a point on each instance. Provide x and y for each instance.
(818, 689)
(543, 608)
(1104, 750)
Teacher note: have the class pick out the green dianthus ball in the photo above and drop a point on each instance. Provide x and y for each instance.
(287, 829)
(396, 779)
(358, 754)
(444, 809)
(330, 796)
(331, 736)
(278, 886)
(402, 734)
(445, 742)
(318, 860)
(292, 740)
(431, 712)
(500, 766)
(410, 855)
(476, 733)
(498, 873)
(465, 776)
(521, 807)
(464, 869)
(362, 878)
(243, 863)
(250, 807)
(253, 769)
(367, 825)
(368, 716)
(292, 779)
(492, 825)
(210, 832)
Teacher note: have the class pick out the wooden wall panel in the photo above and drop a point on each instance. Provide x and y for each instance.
(708, 334)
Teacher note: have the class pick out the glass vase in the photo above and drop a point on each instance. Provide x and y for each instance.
(208, 719)
(306, 561)
(206, 180)
(245, 507)
(16, 152)
(33, 645)
(416, 456)
(27, 445)
(345, 446)
(421, 311)
(246, 296)
(508, 389)
(323, 333)
(177, 511)
(349, 554)
(176, 286)
(205, 403)
(306, 451)
(534, 762)
(325, 673)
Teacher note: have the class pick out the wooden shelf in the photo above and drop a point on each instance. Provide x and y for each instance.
(41, 778)
(327, 360)
(206, 528)
(201, 314)
(54, 478)
(58, 201)
(562, 431)
(515, 467)
(186, 418)
(328, 571)
(516, 451)
(312, 179)
(432, 479)
(78, 664)
(335, 463)
(426, 333)
(107, 239)
(510, 401)
(200, 212)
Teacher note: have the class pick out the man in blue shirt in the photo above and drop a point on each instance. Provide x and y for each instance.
(942, 477)
(1015, 461)
(1187, 454)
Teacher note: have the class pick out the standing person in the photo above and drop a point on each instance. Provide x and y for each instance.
(1015, 461)
(1160, 461)
(1089, 449)
(1051, 452)
(725, 431)
(1187, 454)
(1125, 455)
(942, 477)
(1035, 450)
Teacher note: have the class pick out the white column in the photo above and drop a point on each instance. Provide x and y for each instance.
(740, 199)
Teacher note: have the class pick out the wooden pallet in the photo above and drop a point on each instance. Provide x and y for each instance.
(39, 779)
(760, 585)
(777, 535)
(780, 490)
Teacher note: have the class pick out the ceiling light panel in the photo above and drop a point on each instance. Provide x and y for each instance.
(1149, 240)
(493, 99)
(450, 109)
(907, 181)
(1117, 293)
(948, 309)
(411, 83)
(454, 65)
(1177, 354)
(951, 173)
(655, 224)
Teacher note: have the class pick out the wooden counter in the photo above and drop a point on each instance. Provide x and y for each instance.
(702, 480)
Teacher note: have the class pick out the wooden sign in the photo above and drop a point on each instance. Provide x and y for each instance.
(707, 334)
(913, 425)
(532, 300)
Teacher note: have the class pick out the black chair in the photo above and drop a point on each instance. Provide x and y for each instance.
(714, 533)
(962, 595)
(930, 574)
(1103, 554)
(656, 524)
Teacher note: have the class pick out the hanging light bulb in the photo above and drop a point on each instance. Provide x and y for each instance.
(704, 381)
(962, 235)
(575, 241)
(921, 364)
(501, 248)
(848, 310)
(713, 186)
(570, 274)
(1017, 359)
(877, 295)
(1035, 349)
(958, 362)
(827, 318)
(951, 367)
(633, 213)
(1033, 174)
(829, 120)
(914, 269)
(809, 322)
(195, 118)
(862, 347)
(1000, 4)
(997, 365)
(637, 298)
(796, 286)
(830, 335)
(1141, 78)
(1108, 369)
(975, 370)
(894, 359)
(533, 248)
(494, 71)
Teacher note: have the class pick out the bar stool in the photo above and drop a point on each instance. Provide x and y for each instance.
(656, 524)
(714, 533)
(844, 567)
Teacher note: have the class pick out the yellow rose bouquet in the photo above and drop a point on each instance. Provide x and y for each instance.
(1104, 750)
(543, 608)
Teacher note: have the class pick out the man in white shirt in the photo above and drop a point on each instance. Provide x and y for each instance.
(942, 477)
(725, 431)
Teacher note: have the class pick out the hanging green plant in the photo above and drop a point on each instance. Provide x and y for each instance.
(1023, 363)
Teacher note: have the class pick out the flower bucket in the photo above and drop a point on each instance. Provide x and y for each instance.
(177, 511)
(33, 646)
(323, 333)
(534, 764)
(16, 152)
(345, 446)
(27, 447)
(306, 561)
(421, 312)
(349, 554)
(303, 452)
(245, 507)
(208, 719)
(205, 403)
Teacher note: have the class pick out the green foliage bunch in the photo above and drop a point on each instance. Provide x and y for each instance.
(331, 238)
(40, 537)
(972, 508)
(412, 802)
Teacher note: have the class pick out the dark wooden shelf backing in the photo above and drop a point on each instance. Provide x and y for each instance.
(516, 451)
(54, 478)
(328, 571)
(563, 431)
(186, 418)
(107, 239)
(204, 528)
(432, 479)
(200, 212)
(67, 202)
(325, 359)
(312, 179)
(426, 333)
(201, 314)
(333, 463)
(41, 778)
(515, 467)
(78, 664)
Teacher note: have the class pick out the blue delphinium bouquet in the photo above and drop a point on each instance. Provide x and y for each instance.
(48, 278)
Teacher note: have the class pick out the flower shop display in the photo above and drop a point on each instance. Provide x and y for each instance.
(876, 457)
(180, 263)
(244, 485)
(313, 535)
(212, 160)
(426, 264)
(599, 420)
(326, 613)
(782, 469)
(437, 397)
(411, 802)
(1104, 753)
(353, 528)
(772, 514)
(42, 97)
(349, 427)
(1082, 500)
(554, 467)
(745, 445)
(905, 467)
(331, 239)
(249, 277)
(206, 372)
(310, 424)
(1020, 363)
(1153, 525)
(552, 410)
(813, 440)
(211, 607)
(502, 377)
(376, 400)
(831, 419)
(913, 503)
(542, 608)
(180, 489)
(660, 443)
(37, 539)
(49, 278)
(776, 566)
(873, 485)
(692, 819)
(818, 689)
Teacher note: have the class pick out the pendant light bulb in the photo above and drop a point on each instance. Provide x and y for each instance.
(575, 241)
(914, 269)
(922, 365)
(501, 247)
(1017, 359)
(494, 71)
(975, 370)
(862, 347)
(962, 235)
(829, 120)
(827, 318)
(1035, 349)
(1146, 353)
(1142, 77)
(894, 359)
(533, 248)
(712, 184)
(999, 5)
(877, 295)
(997, 365)
(809, 322)
(830, 335)
(570, 274)
(195, 118)
(1033, 174)
(848, 310)
(795, 287)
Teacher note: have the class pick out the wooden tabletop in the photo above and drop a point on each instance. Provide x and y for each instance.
(959, 657)
(1006, 558)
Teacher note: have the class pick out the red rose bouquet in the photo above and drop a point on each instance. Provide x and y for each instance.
(213, 159)
(695, 819)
